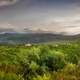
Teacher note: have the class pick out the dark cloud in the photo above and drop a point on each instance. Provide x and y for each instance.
(7, 2)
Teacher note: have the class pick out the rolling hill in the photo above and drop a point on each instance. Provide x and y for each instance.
(22, 38)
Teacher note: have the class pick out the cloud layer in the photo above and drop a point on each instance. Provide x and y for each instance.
(7, 2)
(10, 2)
(57, 16)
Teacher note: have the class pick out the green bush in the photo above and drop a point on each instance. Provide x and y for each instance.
(10, 76)
(40, 62)
(44, 77)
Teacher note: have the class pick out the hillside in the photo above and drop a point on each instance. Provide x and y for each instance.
(21, 38)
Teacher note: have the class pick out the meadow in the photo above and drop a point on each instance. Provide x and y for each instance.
(40, 61)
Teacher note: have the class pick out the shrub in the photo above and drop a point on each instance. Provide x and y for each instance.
(10, 76)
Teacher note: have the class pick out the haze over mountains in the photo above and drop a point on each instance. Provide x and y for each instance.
(36, 21)
(68, 31)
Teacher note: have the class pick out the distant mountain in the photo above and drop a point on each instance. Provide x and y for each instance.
(23, 38)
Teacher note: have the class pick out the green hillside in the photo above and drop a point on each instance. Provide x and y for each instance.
(23, 38)
(40, 62)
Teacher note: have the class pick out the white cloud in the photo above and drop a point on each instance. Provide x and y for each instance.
(64, 25)
(72, 31)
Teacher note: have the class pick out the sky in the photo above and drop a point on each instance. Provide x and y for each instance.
(56, 16)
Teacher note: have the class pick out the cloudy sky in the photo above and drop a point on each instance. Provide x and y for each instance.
(57, 16)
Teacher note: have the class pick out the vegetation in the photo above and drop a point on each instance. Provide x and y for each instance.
(40, 62)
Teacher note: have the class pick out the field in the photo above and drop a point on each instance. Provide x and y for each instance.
(40, 61)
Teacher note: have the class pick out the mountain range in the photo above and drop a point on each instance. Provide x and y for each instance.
(36, 37)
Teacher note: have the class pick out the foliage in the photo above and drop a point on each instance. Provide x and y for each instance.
(10, 76)
(40, 62)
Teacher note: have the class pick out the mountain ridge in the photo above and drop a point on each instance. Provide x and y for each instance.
(24, 38)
